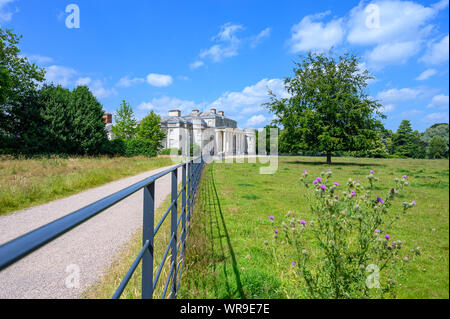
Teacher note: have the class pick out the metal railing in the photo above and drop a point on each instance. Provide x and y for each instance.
(18, 248)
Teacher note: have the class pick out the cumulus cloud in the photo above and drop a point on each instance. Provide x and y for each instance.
(159, 80)
(310, 34)
(436, 117)
(256, 120)
(440, 101)
(98, 89)
(40, 59)
(228, 43)
(437, 52)
(399, 95)
(392, 53)
(387, 108)
(84, 81)
(5, 10)
(425, 75)
(126, 81)
(196, 65)
(256, 40)
(60, 75)
(163, 104)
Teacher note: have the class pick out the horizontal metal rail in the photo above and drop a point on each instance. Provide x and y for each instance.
(20, 247)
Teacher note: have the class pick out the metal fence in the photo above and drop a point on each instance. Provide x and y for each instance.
(18, 248)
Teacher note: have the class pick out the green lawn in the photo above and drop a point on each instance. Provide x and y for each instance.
(29, 182)
(227, 257)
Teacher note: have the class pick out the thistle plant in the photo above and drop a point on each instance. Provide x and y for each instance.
(372, 178)
(344, 251)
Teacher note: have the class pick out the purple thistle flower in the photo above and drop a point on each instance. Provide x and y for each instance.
(377, 230)
(387, 236)
(414, 203)
(336, 184)
(323, 187)
(293, 263)
(405, 177)
(303, 222)
(271, 217)
(379, 199)
(305, 171)
(315, 181)
(353, 193)
(319, 179)
(329, 169)
(276, 231)
(371, 171)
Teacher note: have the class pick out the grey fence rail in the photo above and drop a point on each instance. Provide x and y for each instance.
(18, 248)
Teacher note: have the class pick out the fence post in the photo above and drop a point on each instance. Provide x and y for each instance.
(183, 209)
(174, 221)
(147, 231)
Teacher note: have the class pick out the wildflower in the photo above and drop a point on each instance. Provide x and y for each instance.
(323, 187)
(377, 230)
(336, 184)
(293, 263)
(379, 199)
(276, 231)
(315, 181)
(303, 222)
(353, 193)
(329, 169)
(405, 177)
(305, 172)
(271, 217)
(387, 236)
(414, 202)
(318, 179)
(371, 171)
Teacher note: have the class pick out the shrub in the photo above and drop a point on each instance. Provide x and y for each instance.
(138, 146)
(168, 151)
(344, 249)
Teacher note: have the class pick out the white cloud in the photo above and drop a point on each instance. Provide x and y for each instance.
(436, 117)
(228, 43)
(399, 95)
(249, 100)
(196, 64)
(98, 89)
(256, 120)
(392, 53)
(159, 80)
(163, 104)
(310, 35)
(218, 52)
(425, 75)
(126, 81)
(40, 59)
(437, 52)
(84, 81)
(256, 40)
(387, 108)
(60, 75)
(5, 13)
(440, 101)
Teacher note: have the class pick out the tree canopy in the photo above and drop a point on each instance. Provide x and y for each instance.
(125, 126)
(327, 109)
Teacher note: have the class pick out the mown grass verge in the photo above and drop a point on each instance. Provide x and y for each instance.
(29, 182)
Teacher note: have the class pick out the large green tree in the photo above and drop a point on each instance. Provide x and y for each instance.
(125, 126)
(440, 130)
(19, 80)
(437, 148)
(405, 142)
(149, 129)
(328, 109)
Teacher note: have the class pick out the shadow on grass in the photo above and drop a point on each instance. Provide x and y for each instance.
(219, 235)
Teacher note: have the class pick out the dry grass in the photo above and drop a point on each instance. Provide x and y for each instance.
(29, 182)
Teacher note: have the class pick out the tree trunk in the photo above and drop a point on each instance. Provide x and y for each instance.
(329, 158)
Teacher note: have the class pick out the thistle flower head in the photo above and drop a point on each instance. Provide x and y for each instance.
(323, 187)
(380, 200)
(387, 236)
(271, 217)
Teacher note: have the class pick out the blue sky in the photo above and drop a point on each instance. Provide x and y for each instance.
(161, 55)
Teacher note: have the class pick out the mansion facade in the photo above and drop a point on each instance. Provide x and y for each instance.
(211, 130)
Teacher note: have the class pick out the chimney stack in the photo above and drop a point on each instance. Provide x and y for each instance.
(213, 111)
(221, 113)
(175, 113)
(195, 112)
(108, 118)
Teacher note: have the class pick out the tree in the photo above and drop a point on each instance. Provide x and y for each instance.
(437, 130)
(437, 148)
(150, 130)
(125, 126)
(19, 80)
(404, 141)
(328, 109)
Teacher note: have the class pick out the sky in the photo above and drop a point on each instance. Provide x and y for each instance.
(226, 54)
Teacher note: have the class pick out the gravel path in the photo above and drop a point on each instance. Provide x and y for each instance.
(88, 248)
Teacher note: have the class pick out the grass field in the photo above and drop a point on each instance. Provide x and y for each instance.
(226, 255)
(29, 182)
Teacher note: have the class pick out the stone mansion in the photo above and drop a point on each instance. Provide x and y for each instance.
(211, 130)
